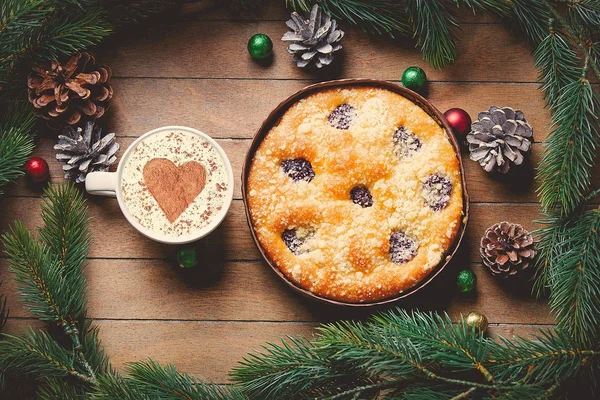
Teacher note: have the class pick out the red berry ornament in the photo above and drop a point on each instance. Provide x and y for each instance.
(459, 120)
(37, 169)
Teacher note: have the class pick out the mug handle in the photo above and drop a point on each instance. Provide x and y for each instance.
(102, 183)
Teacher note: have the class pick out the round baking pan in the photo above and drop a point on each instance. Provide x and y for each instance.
(274, 118)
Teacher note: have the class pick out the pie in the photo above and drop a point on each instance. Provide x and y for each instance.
(355, 194)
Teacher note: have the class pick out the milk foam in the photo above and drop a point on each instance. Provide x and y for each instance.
(178, 147)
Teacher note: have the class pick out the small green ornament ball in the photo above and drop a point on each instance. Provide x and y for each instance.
(466, 280)
(414, 78)
(260, 46)
(187, 258)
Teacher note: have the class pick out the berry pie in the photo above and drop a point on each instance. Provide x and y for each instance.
(355, 194)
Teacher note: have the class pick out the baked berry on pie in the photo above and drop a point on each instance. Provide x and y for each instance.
(355, 194)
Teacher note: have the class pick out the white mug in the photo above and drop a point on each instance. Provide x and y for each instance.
(109, 184)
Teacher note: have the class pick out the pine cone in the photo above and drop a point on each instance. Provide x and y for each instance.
(498, 137)
(313, 38)
(85, 151)
(507, 249)
(64, 94)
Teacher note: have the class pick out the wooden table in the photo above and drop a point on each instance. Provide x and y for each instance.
(195, 71)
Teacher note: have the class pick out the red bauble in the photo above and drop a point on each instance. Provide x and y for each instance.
(459, 120)
(37, 169)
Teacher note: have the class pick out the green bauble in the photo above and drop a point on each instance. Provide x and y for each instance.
(414, 78)
(260, 46)
(466, 280)
(187, 258)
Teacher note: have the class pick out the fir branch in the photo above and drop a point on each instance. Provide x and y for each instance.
(575, 294)
(498, 7)
(375, 16)
(291, 370)
(401, 355)
(114, 386)
(552, 356)
(16, 142)
(16, 15)
(585, 15)
(124, 12)
(66, 227)
(3, 311)
(36, 353)
(91, 348)
(550, 246)
(50, 295)
(60, 389)
(433, 23)
(565, 172)
(169, 384)
(532, 17)
(557, 63)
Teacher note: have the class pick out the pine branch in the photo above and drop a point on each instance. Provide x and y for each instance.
(575, 278)
(565, 170)
(550, 357)
(550, 246)
(289, 370)
(60, 389)
(532, 17)
(66, 227)
(124, 12)
(36, 353)
(401, 355)
(169, 384)
(557, 63)
(375, 16)
(114, 386)
(16, 142)
(585, 15)
(3, 311)
(50, 295)
(498, 7)
(16, 15)
(61, 34)
(433, 23)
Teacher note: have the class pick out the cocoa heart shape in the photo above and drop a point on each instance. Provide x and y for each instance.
(174, 187)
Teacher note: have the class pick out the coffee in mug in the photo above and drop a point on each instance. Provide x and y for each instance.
(174, 184)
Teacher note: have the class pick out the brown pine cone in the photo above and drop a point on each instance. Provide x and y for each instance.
(507, 249)
(64, 94)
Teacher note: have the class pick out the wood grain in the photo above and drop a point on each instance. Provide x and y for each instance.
(217, 49)
(231, 108)
(113, 237)
(205, 349)
(250, 291)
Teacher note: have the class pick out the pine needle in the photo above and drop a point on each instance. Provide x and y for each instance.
(16, 142)
(565, 170)
(51, 283)
(558, 65)
(376, 16)
(167, 383)
(433, 25)
(36, 353)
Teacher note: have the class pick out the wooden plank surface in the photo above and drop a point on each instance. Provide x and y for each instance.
(195, 71)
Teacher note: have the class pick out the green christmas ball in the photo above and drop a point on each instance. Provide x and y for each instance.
(260, 46)
(187, 258)
(414, 78)
(466, 280)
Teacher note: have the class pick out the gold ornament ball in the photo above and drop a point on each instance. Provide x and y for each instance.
(477, 320)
